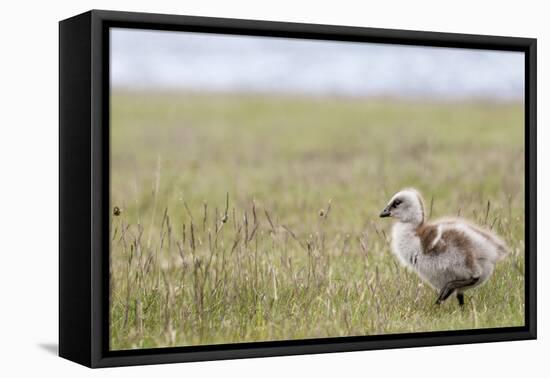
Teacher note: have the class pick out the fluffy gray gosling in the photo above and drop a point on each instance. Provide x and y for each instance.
(452, 255)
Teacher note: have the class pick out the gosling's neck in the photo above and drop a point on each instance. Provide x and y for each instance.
(413, 221)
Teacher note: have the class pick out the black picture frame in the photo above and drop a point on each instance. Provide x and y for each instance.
(84, 187)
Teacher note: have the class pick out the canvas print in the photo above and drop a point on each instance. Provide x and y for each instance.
(266, 189)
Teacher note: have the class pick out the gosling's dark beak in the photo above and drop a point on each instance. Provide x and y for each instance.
(385, 213)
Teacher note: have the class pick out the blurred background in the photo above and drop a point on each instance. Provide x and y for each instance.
(191, 61)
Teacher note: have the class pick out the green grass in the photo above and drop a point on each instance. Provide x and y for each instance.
(182, 164)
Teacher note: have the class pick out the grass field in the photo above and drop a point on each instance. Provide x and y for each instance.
(250, 218)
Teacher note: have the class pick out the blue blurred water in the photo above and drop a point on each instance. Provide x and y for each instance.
(192, 61)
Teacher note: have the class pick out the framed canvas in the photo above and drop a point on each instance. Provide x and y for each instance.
(235, 188)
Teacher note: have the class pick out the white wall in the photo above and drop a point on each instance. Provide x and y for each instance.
(29, 189)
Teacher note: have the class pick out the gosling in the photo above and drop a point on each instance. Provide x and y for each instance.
(451, 255)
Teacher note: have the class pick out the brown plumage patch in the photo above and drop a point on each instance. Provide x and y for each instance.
(460, 241)
(427, 234)
(449, 238)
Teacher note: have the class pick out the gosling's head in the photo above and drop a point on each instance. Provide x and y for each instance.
(406, 206)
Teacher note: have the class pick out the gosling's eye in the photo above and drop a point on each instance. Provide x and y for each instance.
(396, 203)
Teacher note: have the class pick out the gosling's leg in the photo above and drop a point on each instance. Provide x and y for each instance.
(460, 298)
(451, 286)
